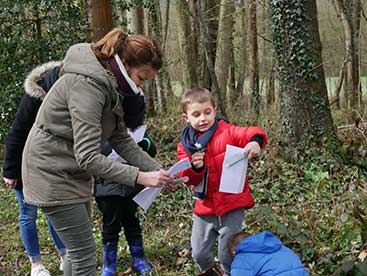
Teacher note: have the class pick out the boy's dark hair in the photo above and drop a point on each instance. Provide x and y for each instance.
(235, 239)
(196, 95)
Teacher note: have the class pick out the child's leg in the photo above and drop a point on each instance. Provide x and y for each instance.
(129, 220)
(111, 210)
(110, 207)
(28, 228)
(203, 237)
(133, 234)
(231, 223)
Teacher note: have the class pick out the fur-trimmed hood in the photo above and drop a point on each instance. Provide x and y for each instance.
(31, 86)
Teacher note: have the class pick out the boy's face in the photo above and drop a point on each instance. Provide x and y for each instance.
(200, 116)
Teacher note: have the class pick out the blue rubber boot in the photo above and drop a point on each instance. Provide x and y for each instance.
(140, 263)
(109, 259)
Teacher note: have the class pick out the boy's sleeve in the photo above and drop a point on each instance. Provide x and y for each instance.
(195, 176)
(243, 135)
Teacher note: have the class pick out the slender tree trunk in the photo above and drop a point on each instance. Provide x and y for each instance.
(339, 87)
(100, 18)
(349, 40)
(188, 45)
(165, 32)
(161, 79)
(270, 88)
(253, 58)
(137, 20)
(224, 44)
(211, 15)
(305, 110)
(242, 56)
(208, 60)
(356, 21)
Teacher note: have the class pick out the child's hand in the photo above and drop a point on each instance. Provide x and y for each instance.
(252, 150)
(11, 183)
(198, 159)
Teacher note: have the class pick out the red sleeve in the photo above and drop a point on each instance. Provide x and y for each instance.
(242, 135)
(194, 177)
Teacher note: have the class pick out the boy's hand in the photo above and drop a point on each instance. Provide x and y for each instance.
(198, 159)
(252, 150)
(11, 183)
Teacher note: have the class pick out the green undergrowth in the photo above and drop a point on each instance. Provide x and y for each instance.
(314, 203)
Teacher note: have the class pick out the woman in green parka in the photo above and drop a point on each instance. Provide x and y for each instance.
(97, 98)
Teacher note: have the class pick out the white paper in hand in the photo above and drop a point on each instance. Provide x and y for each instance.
(146, 197)
(233, 176)
(138, 134)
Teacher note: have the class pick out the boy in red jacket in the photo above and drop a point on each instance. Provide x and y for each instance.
(216, 214)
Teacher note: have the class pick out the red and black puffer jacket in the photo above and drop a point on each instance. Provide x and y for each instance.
(215, 202)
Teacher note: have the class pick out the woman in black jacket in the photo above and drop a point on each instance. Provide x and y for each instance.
(36, 85)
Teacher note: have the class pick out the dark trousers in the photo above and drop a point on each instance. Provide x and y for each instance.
(119, 212)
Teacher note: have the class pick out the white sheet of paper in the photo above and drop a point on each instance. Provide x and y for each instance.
(138, 134)
(233, 178)
(146, 197)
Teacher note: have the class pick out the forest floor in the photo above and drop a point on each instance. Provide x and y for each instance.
(313, 202)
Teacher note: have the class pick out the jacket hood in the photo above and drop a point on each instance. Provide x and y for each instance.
(264, 242)
(80, 59)
(31, 85)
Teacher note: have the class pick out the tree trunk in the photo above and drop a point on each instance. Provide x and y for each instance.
(137, 20)
(208, 60)
(356, 22)
(253, 59)
(211, 14)
(165, 32)
(305, 110)
(224, 44)
(242, 56)
(339, 87)
(270, 88)
(162, 79)
(187, 44)
(350, 47)
(100, 18)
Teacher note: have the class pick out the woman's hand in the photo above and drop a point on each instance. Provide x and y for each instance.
(198, 159)
(252, 150)
(155, 179)
(11, 183)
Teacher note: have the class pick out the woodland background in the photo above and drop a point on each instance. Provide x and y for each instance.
(296, 68)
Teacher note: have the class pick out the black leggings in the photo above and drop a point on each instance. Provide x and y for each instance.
(119, 212)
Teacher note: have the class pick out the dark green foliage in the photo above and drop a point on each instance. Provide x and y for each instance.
(31, 33)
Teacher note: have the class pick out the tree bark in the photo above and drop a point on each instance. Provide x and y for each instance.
(187, 44)
(242, 56)
(211, 15)
(305, 110)
(100, 18)
(224, 44)
(137, 20)
(351, 80)
(253, 59)
(208, 60)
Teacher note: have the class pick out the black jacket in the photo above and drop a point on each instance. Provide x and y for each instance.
(104, 187)
(36, 86)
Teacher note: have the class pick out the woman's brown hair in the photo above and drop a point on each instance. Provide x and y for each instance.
(135, 50)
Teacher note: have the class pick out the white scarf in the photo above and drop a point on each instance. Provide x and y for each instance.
(137, 90)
